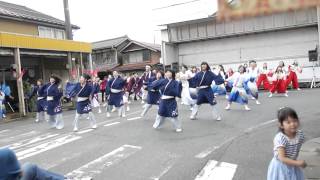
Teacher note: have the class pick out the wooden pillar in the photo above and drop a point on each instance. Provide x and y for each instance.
(70, 65)
(43, 70)
(17, 60)
(81, 63)
(90, 62)
(318, 18)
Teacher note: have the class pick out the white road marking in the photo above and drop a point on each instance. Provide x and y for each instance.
(95, 167)
(69, 157)
(85, 131)
(19, 136)
(217, 170)
(132, 119)
(111, 124)
(4, 131)
(27, 142)
(168, 166)
(46, 146)
(209, 150)
(260, 125)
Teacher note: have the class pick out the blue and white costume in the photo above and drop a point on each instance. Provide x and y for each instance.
(145, 80)
(54, 109)
(41, 102)
(83, 105)
(238, 93)
(205, 95)
(278, 170)
(170, 89)
(193, 89)
(219, 89)
(250, 84)
(117, 85)
(153, 96)
(95, 96)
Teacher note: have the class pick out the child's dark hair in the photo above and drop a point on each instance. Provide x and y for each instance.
(284, 113)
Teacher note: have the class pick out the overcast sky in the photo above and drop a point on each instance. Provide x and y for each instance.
(104, 19)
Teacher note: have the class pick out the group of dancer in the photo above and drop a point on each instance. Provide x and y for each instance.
(194, 87)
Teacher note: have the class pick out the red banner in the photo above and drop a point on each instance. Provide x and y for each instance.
(245, 8)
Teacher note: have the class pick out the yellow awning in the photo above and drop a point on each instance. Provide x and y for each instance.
(32, 42)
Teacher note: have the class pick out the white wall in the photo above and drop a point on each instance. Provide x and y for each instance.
(288, 44)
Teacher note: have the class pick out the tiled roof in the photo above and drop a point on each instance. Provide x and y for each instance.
(108, 43)
(154, 47)
(23, 13)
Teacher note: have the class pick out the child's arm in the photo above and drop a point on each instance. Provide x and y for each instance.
(282, 157)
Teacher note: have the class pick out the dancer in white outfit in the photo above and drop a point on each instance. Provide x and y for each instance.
(184, 75)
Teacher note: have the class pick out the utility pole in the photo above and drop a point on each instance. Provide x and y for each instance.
(69, 36)
(67, 20)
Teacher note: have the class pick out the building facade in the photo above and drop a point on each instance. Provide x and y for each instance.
(33, 46)
(124, 55)
(283, 36)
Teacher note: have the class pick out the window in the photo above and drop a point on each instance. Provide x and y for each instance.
(135, 57)
(146, 55)
(47, 32)
(125, 59)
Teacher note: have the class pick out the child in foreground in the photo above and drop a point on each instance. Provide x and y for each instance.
(287, 144)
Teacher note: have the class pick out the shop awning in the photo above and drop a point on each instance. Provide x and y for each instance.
(32, 42)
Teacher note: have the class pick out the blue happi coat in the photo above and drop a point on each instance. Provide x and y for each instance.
(85, 92)
(41, 98)
(53, 106)
(204, 79)
(168, 107)
(153, 93)
(116, 98)
(95, 91)
(192, 88)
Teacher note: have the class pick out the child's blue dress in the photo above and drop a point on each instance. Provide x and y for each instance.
(277, 169)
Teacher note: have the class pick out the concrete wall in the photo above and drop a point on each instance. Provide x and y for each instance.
(169, 53)
(210, 28)
(18, 27)
(287, 44)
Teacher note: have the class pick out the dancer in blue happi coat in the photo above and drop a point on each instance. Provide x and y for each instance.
(39, 90)
(53, 96)
(117, 85)
(83, 91)
(193, 87)
(169, 89)
(204, 80)
(153, 93)
(251, 85)
(148, 74)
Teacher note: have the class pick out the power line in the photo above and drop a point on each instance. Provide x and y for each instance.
(177, 4)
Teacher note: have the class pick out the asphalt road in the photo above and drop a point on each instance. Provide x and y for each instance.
(239, 147)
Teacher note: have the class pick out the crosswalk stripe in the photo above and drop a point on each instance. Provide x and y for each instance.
(111, 124)
(217, 170)
(46, 146)
(4, 131)
(30, 141)
(84, 131)
(87, 171)
(16, 137)
(135, 118)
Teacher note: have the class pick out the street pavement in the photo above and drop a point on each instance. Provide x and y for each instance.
(239, 147)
